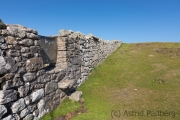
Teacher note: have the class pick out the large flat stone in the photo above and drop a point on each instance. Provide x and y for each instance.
(37, 95)
(3, 110)
(34, 64)
(7, 96)
(50, 87)
(64, 84)
(10, 117)
(29, 77)
(18, 105)
(76, 95)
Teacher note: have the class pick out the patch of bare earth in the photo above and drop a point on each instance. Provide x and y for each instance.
(70, 115)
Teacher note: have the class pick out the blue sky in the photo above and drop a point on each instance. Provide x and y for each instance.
(126, 20)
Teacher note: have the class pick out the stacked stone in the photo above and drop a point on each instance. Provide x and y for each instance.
(27, 89)
(82, 53)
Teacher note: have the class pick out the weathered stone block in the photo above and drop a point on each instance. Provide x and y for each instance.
(7, 96)
(26, 42)
(37, 95)
(60, 76)
(34, 64)
(34, 49)
(64, 84)
(41, 107)
(3, 110)
(13, 53)
(10, 117)
(18, 105)
(23, 90)
(76, 95)
(44, 78)
(29, 77)
(16, 82)
(29, 117)
(11, 40)
(24, 112)
(75, 61)
(2, 39)
(32, 36)
(3, 46)
(50, 87)
(25, 49)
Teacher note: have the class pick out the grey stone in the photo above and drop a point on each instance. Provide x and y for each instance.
(3, 46)
(64, 33)
(37, 95)
(2, 66)
(2, 39)
(36, 43)
(41, 107)
(16, 82)
(34, 64)
(13, 53)
(44, 78)
(7, 96)
(76, 95)
(21, 33)
(22, 70)
(37, 86)
(29, 77)
(29, 117)
(75, 61)
(64, 84)
(26, 42)
(32, 107)
(16, 116)
(25, 49)
(24, 112)
(34, 49)
(40, 72)
(3, 110)
(18, 59)
(10, 117)
(32, 36)
(27, 100)
(50, 87)
(5, 32)
(31, 31)
(60, 76)
(36, 113)
(27, 55)
(23, 90)
(18, 105)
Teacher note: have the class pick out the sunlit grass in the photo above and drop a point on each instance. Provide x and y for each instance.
(136, 77)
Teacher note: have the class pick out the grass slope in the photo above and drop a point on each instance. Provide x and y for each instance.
(134, 80)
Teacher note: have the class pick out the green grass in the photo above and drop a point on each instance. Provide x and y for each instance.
(136, 77)
(64, 108)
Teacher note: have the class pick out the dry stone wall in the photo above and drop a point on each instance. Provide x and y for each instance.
(28, 87)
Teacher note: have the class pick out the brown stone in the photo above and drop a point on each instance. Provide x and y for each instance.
(34, 64)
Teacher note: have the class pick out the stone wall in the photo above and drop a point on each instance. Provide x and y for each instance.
(28, 87)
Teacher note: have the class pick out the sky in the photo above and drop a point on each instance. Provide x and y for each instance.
(130, 21)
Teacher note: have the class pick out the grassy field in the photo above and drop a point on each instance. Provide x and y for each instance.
(136, 82)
